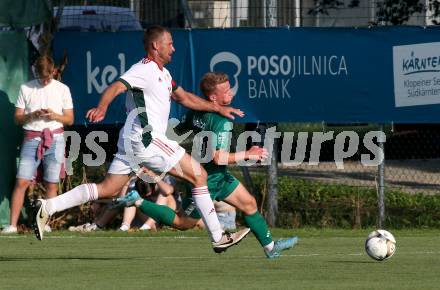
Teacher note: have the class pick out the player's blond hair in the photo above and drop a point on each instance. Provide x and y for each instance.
(210, 80)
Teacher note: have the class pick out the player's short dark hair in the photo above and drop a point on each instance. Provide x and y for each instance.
(210, 80)
(44, 66)
(152, 34)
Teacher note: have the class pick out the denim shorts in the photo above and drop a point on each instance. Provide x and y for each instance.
(52, 160)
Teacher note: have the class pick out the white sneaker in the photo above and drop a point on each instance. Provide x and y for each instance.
(85, 228)
(40, 217)
(90, 228)
(124, 228)
(229, 239)
(145, 227)
(9, 229)
(77, 228)
(47, 229)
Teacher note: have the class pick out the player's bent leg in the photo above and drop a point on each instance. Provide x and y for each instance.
(159, 213)
(241, 199)
(183, 222)
(111, 185)
(40, 217)
(182, 165)
(43, 209)
(190, 170)
(165, 215)
(281, 245)
(51, 192)
(244, 201)
(81, 194)
(230, 239)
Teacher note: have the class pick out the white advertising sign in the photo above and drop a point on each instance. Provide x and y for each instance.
(416, 74)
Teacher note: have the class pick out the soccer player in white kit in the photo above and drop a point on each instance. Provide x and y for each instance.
(142, 141)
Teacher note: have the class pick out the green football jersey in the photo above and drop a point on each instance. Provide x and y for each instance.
(217, 135)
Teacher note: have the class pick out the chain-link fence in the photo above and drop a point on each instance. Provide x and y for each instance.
(257, 13)
(411, 157)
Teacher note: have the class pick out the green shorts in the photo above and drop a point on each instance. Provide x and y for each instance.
(220, 186)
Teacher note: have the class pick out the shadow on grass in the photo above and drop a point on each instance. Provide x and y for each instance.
(353, 262)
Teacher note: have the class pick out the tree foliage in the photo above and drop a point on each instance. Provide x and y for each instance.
(434, 7)
(397, 12)
(323, 6)
(388, 12)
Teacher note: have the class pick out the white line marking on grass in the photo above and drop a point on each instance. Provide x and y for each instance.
(357, 254)
(20, 236)
(317, 255)
(127, 238)
(103, 237)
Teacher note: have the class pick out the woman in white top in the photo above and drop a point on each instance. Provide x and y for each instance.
(43, 107)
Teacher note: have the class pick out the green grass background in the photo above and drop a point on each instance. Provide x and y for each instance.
(324, 259)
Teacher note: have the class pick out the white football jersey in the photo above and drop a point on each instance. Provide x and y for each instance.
(149, 88)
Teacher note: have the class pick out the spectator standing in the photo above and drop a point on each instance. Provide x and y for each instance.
(44, 106)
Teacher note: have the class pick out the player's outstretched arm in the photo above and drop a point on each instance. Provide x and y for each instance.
(164, 188)
(196, 103)
(222, 157)
(98, 114)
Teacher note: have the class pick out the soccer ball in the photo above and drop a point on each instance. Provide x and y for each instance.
(380, 245)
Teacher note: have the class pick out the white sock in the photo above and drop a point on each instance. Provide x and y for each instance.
(145, 227)
(204, 204)
(77, 196)
(269, 247)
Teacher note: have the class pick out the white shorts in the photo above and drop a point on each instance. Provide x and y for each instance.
(161, 155)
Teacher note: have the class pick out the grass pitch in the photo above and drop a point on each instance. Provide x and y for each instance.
(323, 259)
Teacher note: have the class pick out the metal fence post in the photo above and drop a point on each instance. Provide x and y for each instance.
(270, 142)
(381, 183)
(272, 171)
(272, 186)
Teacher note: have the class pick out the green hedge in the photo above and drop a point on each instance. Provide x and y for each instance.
(307, 203)
(310, 203)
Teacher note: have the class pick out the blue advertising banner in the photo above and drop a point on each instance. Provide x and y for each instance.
(338, 75)
(328, 74)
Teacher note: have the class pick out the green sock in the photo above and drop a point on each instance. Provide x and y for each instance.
(160, 213)
(259, 227)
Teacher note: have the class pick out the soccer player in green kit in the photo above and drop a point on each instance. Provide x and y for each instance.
(222, 185)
